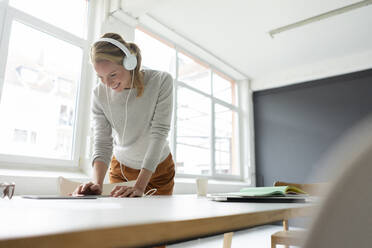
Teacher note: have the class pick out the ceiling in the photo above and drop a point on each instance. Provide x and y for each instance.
(236, 31)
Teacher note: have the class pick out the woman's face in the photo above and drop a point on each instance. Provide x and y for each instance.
(113, 75)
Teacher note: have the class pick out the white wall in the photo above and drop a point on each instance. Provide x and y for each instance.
(115, 26)
(321, 69)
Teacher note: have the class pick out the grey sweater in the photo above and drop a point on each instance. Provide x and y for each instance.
(145, 142)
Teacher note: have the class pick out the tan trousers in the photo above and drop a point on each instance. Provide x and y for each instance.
(162, 179)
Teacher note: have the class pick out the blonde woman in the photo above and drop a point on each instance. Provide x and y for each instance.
(132, 110)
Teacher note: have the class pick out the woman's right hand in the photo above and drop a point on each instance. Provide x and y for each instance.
(89, 188)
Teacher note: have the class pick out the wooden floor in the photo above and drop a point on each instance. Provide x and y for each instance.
(258, 237)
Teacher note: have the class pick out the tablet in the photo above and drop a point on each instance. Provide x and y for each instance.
(58, 197)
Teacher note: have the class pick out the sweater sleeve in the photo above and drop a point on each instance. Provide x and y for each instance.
(160, 124)
(102, 134)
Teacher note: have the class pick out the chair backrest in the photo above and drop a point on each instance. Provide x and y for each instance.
(66, 186)
(345, 216)
(314, 189)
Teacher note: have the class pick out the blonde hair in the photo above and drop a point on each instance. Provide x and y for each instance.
(106, 51)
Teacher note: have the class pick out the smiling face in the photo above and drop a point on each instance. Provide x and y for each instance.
(113, 75)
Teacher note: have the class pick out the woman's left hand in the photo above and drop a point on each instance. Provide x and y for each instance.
(125, 191)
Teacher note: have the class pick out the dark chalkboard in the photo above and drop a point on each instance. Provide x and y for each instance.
(296, 125)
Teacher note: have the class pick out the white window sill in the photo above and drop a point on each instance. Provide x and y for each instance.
(45, 182)
(41, 173)
(188, 186)
(212, 182)
(37, 182)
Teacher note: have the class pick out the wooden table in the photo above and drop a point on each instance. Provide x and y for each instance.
(130, 222)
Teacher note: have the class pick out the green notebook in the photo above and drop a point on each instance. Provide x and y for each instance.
(270, 191)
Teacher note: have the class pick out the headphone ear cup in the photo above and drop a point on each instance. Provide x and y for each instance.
(130, 62)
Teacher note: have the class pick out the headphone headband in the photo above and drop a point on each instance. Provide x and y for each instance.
(130, 60)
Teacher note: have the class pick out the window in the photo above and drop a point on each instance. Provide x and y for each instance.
(224, 89)
(42, 73)
(193, 132)
(155, 54)
(205, 137)
(194, 74)
(226, 143)
(54, 12)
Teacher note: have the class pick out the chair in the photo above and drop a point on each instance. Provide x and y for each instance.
(66, 186)
(294, 237)
(227, 239)
(345, 219)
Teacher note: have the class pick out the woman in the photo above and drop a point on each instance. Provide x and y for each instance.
(132, 110)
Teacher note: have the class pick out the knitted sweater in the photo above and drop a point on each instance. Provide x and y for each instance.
(144, 144)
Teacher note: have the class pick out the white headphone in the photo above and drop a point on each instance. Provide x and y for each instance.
(130, 60)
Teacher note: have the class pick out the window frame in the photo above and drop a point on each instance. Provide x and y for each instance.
(8, 14)
(214, 101)
(236, 108)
